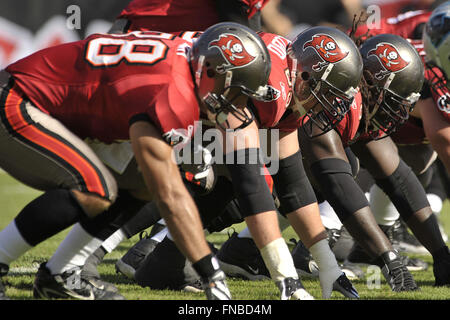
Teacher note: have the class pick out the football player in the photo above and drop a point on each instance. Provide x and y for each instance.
(294, 190)
(417, 140)
(146, 88)
(327, 162)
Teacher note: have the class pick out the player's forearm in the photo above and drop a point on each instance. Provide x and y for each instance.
(182, 218)
(441, 145)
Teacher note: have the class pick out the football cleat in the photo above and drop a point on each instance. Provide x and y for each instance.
(69, 284)
(303, 261)
(292, 289)
(441, 270)
(216, 287)
(396, 274)
(89, 270)
(133, 259)
(3, 271)
(344, 286)
(239, 257)
(359, 256)
(402, 240)
(167, 268)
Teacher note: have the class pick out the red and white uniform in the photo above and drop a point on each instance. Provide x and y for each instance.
(96, 85)
(348, 127)
(91, 89)
(177, 15)
(270, 113)
(441, 94)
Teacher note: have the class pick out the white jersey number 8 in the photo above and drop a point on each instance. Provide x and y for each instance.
(107, 52)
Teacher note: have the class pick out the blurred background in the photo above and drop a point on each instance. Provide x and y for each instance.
(30, 25)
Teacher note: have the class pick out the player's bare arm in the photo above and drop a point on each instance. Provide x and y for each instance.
(164, 182)
(437, 130)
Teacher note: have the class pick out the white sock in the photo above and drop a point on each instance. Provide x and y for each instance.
(114, 240)
(161, 221)
(435, 203)
(329, 218)
(12, 244)
(383, 209)
(278, 260)
(329, 270)
(161, 235)
(168, 235)
(73, 251)
(245, 233)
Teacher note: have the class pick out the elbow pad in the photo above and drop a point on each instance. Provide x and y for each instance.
(405, 190)
(338, 186)
(292, 184)
(249, 182)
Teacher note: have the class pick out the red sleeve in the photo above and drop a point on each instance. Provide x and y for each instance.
(440, 93)
(170, 16)
(290, 121)
(270, 113)
(402, 25)
(254, 6)
(175, 110)
(348, 127)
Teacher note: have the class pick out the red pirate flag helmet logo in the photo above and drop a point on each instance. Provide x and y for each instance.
(390, 59)
(233, 50)
(327, 48)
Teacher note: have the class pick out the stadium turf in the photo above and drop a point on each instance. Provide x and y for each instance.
(14, 196)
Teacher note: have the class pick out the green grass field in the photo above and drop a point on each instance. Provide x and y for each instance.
(14, 196)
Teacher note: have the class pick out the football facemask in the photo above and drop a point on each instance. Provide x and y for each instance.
(220, 105)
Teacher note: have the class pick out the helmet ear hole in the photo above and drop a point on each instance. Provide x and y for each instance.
(304, 75)
(210, 73)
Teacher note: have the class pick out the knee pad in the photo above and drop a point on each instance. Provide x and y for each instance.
(48, 214)
(353, 161)
(292, 185)
(405, 190)
(249, 183)
(338, 186)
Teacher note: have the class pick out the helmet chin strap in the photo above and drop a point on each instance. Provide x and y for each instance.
(198, 72)
(298, 106)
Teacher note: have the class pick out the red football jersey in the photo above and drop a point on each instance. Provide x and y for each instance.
(270, 113)
(94, 86)
(178, 15)
(402, 25)
(254, 6)
(410, 133)
(441, 93)
(170, 16)
(348, 127)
